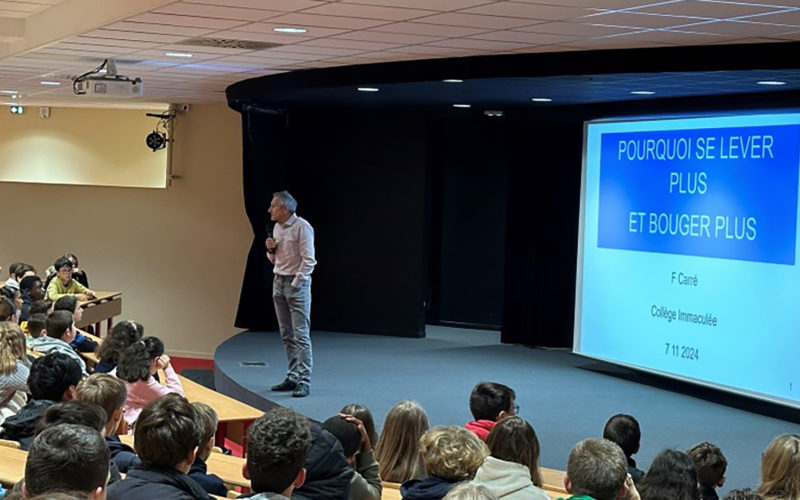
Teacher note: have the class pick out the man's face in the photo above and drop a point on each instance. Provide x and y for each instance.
(65, 274)
(36, 291)
(277, 210)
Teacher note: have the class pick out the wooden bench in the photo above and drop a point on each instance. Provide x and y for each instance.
(102, 308)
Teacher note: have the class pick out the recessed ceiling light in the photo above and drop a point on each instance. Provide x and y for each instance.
(642, 92)
(462, 105)
(8, 92)
(368, 89)
(453, 80)
(177, 54)
(771, 82)
(50, 82)
(541, 99)
(289, 30)
(15, 96)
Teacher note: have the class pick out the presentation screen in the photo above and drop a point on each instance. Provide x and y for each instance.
(687, 250)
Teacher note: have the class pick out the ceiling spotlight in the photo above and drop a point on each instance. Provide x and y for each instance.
(16, 110)
(289, 30)
(462, 105)
(771, 82)
(493, 112)
(178, 54)
(156, 140)
(642, 92)
(541, 99)
(453, 80)
(50, 83)
(8, 92)
(368, 89)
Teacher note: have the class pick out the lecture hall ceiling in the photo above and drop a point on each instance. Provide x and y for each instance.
(52, 40)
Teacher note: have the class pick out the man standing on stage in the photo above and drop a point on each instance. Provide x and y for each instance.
(291, 251)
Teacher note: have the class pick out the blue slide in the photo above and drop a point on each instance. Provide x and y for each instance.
(687, 250)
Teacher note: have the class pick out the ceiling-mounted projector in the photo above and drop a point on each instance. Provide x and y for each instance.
(107, 84)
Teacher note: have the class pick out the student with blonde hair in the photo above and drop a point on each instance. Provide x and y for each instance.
(780, 469)
(14, 369)
(512, 469)
(397, 450)
(450, 455)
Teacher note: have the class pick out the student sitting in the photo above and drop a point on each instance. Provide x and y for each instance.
(489, 402)
(14, 369)
(67, 457)
(470, 491)
(17, 271)
(60, 332)
(31, 289)
(63, 284)
(710, 464)
(78, 274)
(780, 469)
(207, 420)
(70, 304)
(362, 413)
(365, 483)
(597, 469)
(109, 392)
(137, 366)
(450, 454)
(121, 336)
(13, 297)
(36, 327)
(624, 430)
(671, 476)
(512, 470)
(328, 474)
(52, 379)
(397, 450)
(166, 437)
(277, 447)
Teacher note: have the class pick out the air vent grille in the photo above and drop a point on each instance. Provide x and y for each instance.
(229, 43)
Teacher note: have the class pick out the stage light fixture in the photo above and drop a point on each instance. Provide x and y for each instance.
(156, 140)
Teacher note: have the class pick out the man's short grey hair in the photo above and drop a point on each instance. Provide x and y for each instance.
(597, 468)
(287, 199)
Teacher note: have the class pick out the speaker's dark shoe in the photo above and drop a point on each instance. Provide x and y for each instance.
(285, 386)
(302, 391)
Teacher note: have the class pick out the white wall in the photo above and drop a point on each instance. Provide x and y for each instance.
(177, 254)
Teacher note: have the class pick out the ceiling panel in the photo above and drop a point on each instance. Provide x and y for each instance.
(368, 11)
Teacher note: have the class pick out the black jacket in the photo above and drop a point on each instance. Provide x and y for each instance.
(209, 482)
(20, 427)
(430, 488)
(122, 454)
(327, 472)
(156, 483)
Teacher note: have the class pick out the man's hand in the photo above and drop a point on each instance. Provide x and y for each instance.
(271, 245)
(365, 443)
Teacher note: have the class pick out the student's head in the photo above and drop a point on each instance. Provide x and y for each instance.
(32, 285)
(491, 401)
(43, 306)
(19, 270)
(60, 325)
(166, 433)
(8, 310)
(54, 377)
(277, 447)
(63, 267)
(452, 453)
(710, 464)
(397, 450)
(121, 336)
(12, 294)
(470, 491)
(67, 457)
(69, 303)
(12, 347)
(742, 494)
(362, 413)
(624, 430)
(514, 440)
(12, 269)
(106, 391)
(139, 360)
(347, 433)
(72, 258)
(671, 476)
(780, 468)
(596, 468)
(37, 325)
(207, 421)
(73, 412)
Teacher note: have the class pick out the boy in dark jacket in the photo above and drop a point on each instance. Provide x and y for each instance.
(328, 474)
(52, 379)
(207, 420)
(166, 437)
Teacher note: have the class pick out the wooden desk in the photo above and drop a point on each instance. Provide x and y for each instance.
(90, 357)
(103, 307)
(12, 465)
(234, 416)
(553, 480)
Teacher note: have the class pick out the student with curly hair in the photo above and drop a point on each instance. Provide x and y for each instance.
(123, 335)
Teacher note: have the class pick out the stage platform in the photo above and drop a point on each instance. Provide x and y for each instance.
(565, 397)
